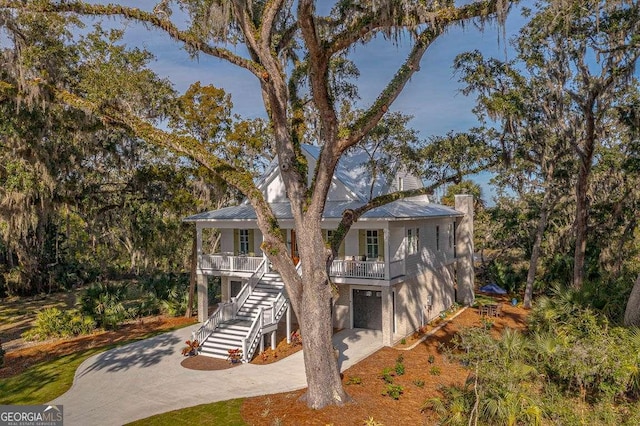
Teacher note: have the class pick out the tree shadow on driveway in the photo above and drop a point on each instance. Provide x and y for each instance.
(142, 354)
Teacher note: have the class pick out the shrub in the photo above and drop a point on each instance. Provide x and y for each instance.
(52, 322)
(105, 303)
(394, 391)
(386, 375)
(400, 365)
(435, 371)
(191, 349)
(175, 304)
(296, 338)
(419, 383)
(573, 367)
(354, 380)
(371, 422)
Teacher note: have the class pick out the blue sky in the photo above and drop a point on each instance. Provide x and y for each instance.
(432, 96)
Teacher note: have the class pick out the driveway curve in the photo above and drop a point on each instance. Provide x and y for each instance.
(144, 378)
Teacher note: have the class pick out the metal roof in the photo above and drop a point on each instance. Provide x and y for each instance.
(399, 209)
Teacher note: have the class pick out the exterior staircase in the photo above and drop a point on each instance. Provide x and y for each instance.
(231, 333)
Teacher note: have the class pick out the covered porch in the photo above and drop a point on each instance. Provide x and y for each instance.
(345, 268)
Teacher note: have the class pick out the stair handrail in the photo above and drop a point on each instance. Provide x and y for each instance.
(248, 288)
(250, 342)
(277, 309)
(208, 327)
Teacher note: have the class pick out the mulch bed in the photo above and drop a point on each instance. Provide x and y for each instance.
(206, 363)
(286, 409)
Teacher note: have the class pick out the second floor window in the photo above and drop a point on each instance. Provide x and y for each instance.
(244, 241)
(413, 240)
(437, 238)
(372, 244)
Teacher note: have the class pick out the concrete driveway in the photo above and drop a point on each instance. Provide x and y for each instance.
(144, 378)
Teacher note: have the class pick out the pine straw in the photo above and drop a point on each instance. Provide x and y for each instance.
(368, 399)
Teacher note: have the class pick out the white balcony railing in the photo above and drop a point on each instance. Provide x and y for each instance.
(365, 269)
(229, 262)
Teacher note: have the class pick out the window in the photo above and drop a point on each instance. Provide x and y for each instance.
(451, 235)
(437, 238)
(413, 240)
(372, 244)
(455, 242)
(400, 184)
(244, 241)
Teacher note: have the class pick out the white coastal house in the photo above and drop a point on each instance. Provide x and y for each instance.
(400, 265)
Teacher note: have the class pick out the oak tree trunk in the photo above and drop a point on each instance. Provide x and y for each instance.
(535, 251)
(547, 204)
(316, 325)
(632, 313)
(580, 225)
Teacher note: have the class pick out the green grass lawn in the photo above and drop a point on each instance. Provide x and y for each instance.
(45, 381)
(48, 380)
(223, 413)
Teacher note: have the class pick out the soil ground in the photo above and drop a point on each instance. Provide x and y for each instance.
(368, 401)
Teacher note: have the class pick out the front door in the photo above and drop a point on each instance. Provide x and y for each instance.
(367, 309)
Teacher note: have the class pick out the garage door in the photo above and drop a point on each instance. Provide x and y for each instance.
(367, 309)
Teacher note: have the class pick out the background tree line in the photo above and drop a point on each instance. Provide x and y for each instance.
(81, 199)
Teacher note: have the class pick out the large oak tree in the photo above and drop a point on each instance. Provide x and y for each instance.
(290, 51)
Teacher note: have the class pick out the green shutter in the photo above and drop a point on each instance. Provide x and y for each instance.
(380, 243)
(236, 241)
(362, 242)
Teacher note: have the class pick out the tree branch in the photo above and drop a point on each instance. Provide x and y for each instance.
(373, 115)
(269, 14)
(141, 16)
(370, 23)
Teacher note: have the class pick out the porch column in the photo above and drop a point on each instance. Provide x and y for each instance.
(273, 340)
(387, 253)
(203, 298)
(387, 316)
(198, 241)
(464, 250)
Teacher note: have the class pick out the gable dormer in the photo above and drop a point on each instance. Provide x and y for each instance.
(351, 181)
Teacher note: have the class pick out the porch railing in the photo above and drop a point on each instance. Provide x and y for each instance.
(248, 287)
(252, 339)
(367, 269)
(228, 311)
(229, 262)
(224, 312)
(273, 314)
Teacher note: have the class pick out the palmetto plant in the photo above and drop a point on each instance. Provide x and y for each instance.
(105, 303)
